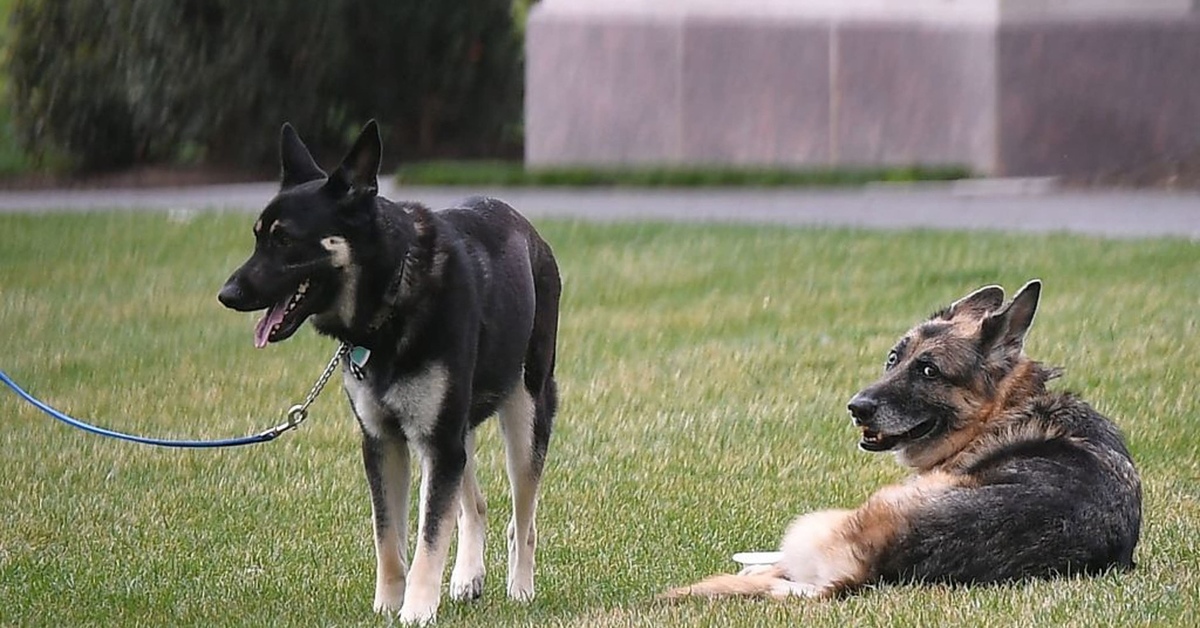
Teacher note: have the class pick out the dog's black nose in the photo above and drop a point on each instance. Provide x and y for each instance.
(231, 295)
(862, 408)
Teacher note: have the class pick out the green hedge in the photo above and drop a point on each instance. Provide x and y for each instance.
(111, 83)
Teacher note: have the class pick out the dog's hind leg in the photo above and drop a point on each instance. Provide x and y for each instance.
(386, 461)
(526, 419)
(517, 417)
(466, 581)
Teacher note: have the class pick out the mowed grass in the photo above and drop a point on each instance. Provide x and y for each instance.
(703, 374)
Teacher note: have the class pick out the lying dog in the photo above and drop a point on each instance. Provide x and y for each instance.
(453, 317)
(1012, 481)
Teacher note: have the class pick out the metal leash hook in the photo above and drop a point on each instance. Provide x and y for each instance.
(292, 419)
(296, 414)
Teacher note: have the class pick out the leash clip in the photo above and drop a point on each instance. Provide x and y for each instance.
(292, 418)
(295, 415)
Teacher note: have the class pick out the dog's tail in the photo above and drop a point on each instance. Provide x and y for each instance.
(540, 357)
(771, 583)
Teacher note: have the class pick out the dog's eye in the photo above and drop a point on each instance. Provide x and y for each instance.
(280, 237)
(892, 359)
(929, 371)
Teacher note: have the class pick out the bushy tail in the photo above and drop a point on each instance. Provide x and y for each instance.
(767, 583)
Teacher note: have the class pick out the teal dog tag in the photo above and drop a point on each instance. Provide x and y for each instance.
(358, 360)
(359, 356)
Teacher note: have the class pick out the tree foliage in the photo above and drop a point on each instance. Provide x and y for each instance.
(112, 83)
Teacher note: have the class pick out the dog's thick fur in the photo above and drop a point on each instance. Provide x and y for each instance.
(459, 310)
(1012, 481)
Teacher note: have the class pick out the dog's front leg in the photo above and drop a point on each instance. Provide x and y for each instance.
(832, 551)
(441, 479)
(386, 461)
(820, 554)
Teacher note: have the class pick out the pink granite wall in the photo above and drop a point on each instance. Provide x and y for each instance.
(914, 94)
(1079, 98)
(603, 92)
(754, 93)
(1033, 97)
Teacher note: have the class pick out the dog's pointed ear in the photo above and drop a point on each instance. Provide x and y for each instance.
(1004, 330)
(359, 172)
(295, 161)
(977, 304)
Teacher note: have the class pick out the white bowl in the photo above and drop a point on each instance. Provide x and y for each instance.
(750, 559)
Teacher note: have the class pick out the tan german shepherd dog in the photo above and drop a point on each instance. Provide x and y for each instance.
(1011, 481)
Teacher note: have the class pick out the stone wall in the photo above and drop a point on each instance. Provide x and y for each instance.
(1006, 87)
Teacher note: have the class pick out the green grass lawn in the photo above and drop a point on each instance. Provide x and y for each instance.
(703, 373)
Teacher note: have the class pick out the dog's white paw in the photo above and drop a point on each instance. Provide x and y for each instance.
(521, 593)
(466, 587)
(756, 570)
(520, 565)
(389, 597)
(520, 587)
(520, 577)
(785, 589)
(411, 616)
(420, 603)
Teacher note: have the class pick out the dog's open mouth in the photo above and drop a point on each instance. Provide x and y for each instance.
(282, 319)
(875, 441)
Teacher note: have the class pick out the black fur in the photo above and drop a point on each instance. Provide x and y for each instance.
(1041, 508)
(471, 292)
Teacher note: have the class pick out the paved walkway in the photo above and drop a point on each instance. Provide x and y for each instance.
(1030, 206)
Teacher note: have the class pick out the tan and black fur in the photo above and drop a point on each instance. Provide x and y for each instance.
(1011, 481)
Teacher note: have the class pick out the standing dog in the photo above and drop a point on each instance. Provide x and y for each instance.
(453, 317)
(1012, 481)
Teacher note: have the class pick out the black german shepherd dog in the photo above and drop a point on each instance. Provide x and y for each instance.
(453, 317)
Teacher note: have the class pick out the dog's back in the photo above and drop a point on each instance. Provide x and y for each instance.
(1050, 490)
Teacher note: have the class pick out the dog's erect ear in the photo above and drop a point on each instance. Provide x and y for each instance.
(977, 304)
(295, 160)
(1004, 331)
(359, 172)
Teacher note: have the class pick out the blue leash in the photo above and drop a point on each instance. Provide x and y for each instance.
(295, 415)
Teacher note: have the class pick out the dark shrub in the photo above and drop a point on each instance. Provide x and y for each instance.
(444, 77)
(116, 82)
(66, 87)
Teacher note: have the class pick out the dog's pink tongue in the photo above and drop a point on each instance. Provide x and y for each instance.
(272, 318)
